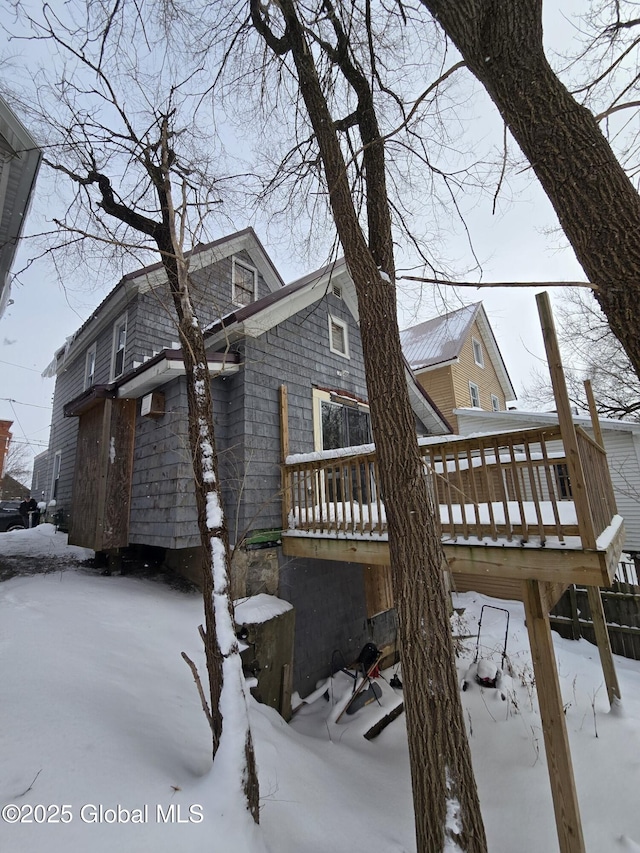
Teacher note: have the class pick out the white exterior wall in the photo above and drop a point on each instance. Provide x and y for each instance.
(622, 444)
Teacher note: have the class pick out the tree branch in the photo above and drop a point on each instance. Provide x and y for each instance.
(587, 284)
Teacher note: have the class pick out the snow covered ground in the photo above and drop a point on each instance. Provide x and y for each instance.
(99, 711)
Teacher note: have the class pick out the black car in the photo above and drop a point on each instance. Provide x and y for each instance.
(10, 518)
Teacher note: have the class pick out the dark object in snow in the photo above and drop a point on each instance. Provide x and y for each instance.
(395, 682)
(382, 724)
(366, 669)
(362, 698)
(483, 670)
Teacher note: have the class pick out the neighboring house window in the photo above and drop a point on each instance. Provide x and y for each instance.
(495, 403)
(57, 460)
(338, 337)
(474, 393)
(563, 480)
(478, 357)
(119, 344)
(244, 284)
(90, 368)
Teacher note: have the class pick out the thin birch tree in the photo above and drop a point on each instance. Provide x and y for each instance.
(120, 143)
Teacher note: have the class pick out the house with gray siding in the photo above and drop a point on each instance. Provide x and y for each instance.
(287, 376)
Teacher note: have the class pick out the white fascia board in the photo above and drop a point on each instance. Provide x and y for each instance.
(108, 314)
(163, 372)
(257, 324)
(548, 419)
(225, 249)
(418, 371)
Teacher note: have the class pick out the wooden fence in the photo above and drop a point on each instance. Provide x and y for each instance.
(571, 617)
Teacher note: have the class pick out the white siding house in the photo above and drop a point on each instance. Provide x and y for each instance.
(622, 443)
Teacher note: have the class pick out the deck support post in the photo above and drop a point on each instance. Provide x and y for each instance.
(595, 599)
(604, 644)
(563, 789)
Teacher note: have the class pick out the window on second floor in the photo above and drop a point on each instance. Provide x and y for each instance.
(90, 367)
(244, 284)
(474, 394)
(478, 356)
(57, 461)
(495, 403)
(119, 345)
(338, 337)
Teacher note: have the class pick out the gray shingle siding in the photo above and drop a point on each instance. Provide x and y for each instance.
(328, 597)
(295, 353)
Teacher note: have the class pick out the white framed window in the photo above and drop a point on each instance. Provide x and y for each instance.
(119, 346)
(90, 367)
(478, 356)
(244, 283)
(339, 421)
(474, 394)
(338, 337)
(495, 403)
(57, 461)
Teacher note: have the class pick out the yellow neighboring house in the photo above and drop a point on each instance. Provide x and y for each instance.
(457, 361)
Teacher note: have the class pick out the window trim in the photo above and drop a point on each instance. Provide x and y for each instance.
(320, 396)
(473, 385)
(478, 355)
(345, 329)
(119, 323)
(495, 403)
(89, 379)
(245, 266)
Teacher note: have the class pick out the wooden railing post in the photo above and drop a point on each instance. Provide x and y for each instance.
(284, 452)
(567, 427)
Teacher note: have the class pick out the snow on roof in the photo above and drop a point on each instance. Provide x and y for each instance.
(532, 418)
(438, 340)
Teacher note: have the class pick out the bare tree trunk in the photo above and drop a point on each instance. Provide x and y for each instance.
(445, 797)
(596, 203)
(226, 687)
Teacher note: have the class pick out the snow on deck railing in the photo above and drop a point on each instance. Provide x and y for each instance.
(493, 487)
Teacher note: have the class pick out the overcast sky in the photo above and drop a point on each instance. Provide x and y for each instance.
(521, 243)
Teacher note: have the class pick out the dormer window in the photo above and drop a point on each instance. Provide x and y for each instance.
(244, 284)
(478, 357)
(119, 344)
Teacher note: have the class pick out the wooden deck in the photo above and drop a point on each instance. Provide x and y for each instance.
(512, 507)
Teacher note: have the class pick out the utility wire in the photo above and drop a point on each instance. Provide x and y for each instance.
(21, 366)
(18, 403)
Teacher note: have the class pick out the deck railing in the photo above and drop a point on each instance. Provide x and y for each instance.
(507, 486)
